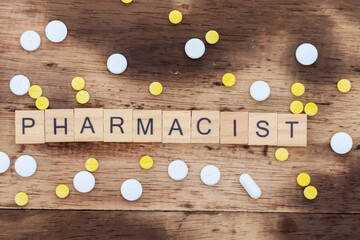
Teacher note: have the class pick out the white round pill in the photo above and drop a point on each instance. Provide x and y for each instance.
(178, 170)
(131, 189)
(194, 48)
(117, 63)
(25, 166)
(306, 54)
(56, 31)
(260, 90)
(4, 162)
(210, 175)
(19, 85)
(250, 186)
(30, 40)
(341, 143)
(84, 181)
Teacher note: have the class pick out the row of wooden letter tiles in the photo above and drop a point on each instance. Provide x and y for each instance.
(127, 125)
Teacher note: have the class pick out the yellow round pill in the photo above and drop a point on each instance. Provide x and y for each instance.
(228, 79)
(35, 91)
(42, 103)
(126, 1)
(344, 85)
(175, 17)
(91, 164)
(298, 89)
(212, 37)
(281, 154)
(78, 83)
(296, 107)
(146, 162)
(62, 191)
(155, 88)
(311, 109)
(310, 192)
(21, 199)
(303, 179)
(83, 97)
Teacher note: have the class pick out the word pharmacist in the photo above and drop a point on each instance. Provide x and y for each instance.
(127, 125)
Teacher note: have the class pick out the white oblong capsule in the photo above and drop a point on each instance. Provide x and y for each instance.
(250, 186)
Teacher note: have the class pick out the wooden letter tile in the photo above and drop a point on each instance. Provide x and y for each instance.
(234, 127)
(292, 130)
(176, 126)
(263, 128)
(59, 125)
(147, 126)
(205, 126)
(29, 127)
(118, 125)
(89, 124)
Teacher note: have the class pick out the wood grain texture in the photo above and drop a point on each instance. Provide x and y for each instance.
(47, 224)
(258, 40)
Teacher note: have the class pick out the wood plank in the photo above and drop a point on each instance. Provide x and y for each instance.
(260, 46)
(176, 225)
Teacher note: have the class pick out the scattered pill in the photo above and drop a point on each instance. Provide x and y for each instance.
(296, 107)
(131, 190)
(303, 179)
(84, 181)
(178, 170)
(91, 164)
(194, 48)
(229, 79)
(212, 37)
(56, 31)
(281, 154)
(311, 109)
(306, 54)
(35, 91)
(42, 103)
(298, 89)
(341, 143)
(310, 192)
(78, 83)
(117, 63)
(175, 17)
(19, 85)
(210, 175)
(4, 162)
(21, 199)
(25, 166)
(146, 162)
(82, 97)
(260, 90)
(126, 1)
(62, 191)
(155, 88)
(344, 85)
(30, 40)
(250, 186)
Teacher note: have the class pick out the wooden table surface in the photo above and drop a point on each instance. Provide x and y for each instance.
(258, 40)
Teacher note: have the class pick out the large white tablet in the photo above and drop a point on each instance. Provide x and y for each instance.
(194, 48)
(30, 40)
(4, 162)
(260, 90)
(56, 31)
(341, 143)
(178, 170)
(84, 181)
(210, 175)
(19, 85)
(131, 189)
(117, 63)
(306, 54)
(25, 166)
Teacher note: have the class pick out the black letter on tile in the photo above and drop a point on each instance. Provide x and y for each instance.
(87, 119)
(112, 125)
(198, 126)
(292, 128)
(262, 128)
(27, 126)
(178, 127)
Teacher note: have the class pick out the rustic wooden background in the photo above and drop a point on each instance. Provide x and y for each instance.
(258, 40)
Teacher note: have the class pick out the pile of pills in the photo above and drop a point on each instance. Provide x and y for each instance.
(78, 84)
(297, 107)
(310, 192)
